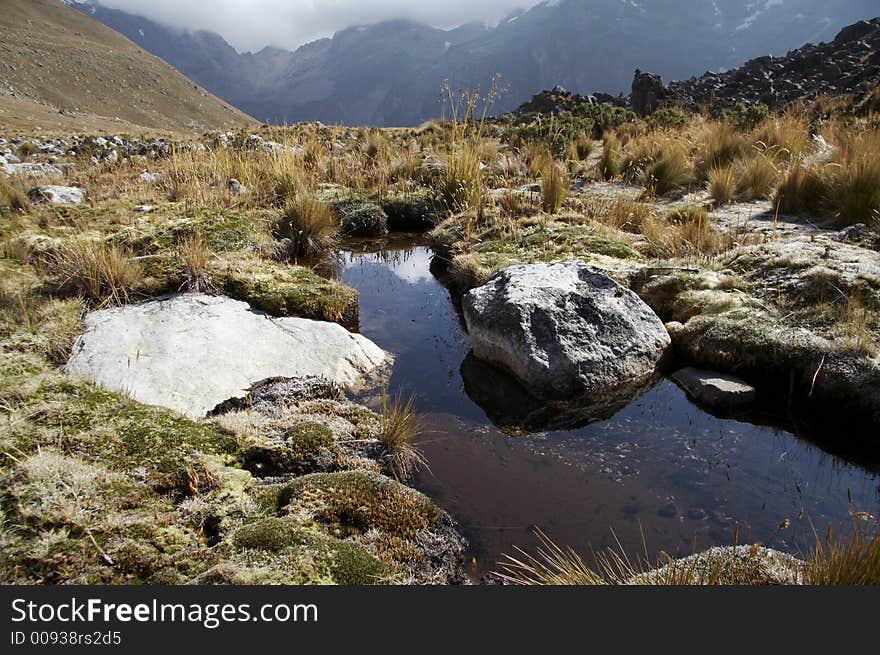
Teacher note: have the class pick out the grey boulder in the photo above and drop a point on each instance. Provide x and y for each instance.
(57, 195)
(714, 390)
(192, 352)
(30, 170)
(564, 330)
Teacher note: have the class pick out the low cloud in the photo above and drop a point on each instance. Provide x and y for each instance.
(253, 24)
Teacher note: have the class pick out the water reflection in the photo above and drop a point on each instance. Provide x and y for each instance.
(658, 471)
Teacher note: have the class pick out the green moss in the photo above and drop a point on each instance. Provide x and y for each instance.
(345, 562)
(352, 502)
(308, 436)
(123, 432)
(284, 290)
(223, 230)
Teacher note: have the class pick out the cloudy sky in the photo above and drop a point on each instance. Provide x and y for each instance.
(252, 24)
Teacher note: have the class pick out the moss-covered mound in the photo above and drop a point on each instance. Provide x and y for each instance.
(283, 290)
(330, 559)
(354, 502)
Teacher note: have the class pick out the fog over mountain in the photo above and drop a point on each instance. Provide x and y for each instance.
(251, 25)
(389, 72)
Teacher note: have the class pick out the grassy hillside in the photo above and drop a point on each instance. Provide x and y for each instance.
(62, 70)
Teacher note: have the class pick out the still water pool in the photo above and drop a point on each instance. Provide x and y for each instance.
(659, 475)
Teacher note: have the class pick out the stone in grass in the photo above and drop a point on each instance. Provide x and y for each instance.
(57, 195)
(362, 219)
(714, 390)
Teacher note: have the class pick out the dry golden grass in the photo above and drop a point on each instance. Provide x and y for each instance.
(721, 183)
(194, 256)
(306, 229)
(460, 186)
(13, 196)
(554, 188)
(853, 178)
(718, 145)
(622, 214)
(802, 191)
(659, 161)
(611, 162)
(96, 271)
(756, 177)
(785, 137)
(685, 232)
(844, 561)
(399, 427)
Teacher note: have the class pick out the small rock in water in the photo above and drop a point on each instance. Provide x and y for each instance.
(697, 514)
(714, 390)
(57, 195)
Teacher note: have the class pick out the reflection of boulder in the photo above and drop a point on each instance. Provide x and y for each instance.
(514, 410)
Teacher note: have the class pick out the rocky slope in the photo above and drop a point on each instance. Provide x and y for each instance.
(62, 70)
(849, 64)
(391, 73)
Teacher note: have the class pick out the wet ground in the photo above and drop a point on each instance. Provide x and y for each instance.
(659, 475)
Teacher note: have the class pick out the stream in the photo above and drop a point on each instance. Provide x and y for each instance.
(661, 475)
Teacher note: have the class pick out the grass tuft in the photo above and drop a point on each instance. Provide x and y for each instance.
(844, 561)
(96, 271)
(722, 185)
(554, 188)
(194, 256)
(399, 427)
(306, 229)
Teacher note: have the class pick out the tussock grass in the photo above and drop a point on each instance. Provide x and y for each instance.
(460, 186)
(722, 185)
(685, 232)
(756, 177)
(467, 272)
(399, 427)
(554, 188)
(611, 162)
(853, 179)
(96, 271)
(194, 256)
(554, 565)
(306, 229)
(785, 137)
(13, 196)
(623, 214)
(719, 145)
(658, 160)
(844, 561)
(802, 191)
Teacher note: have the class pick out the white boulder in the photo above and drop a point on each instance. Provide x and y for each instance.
(192, 352)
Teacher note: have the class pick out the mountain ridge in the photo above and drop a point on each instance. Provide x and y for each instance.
(63, 70)
(390, 73)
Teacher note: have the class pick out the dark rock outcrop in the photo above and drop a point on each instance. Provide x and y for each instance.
(847, 65)
(647, 93)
